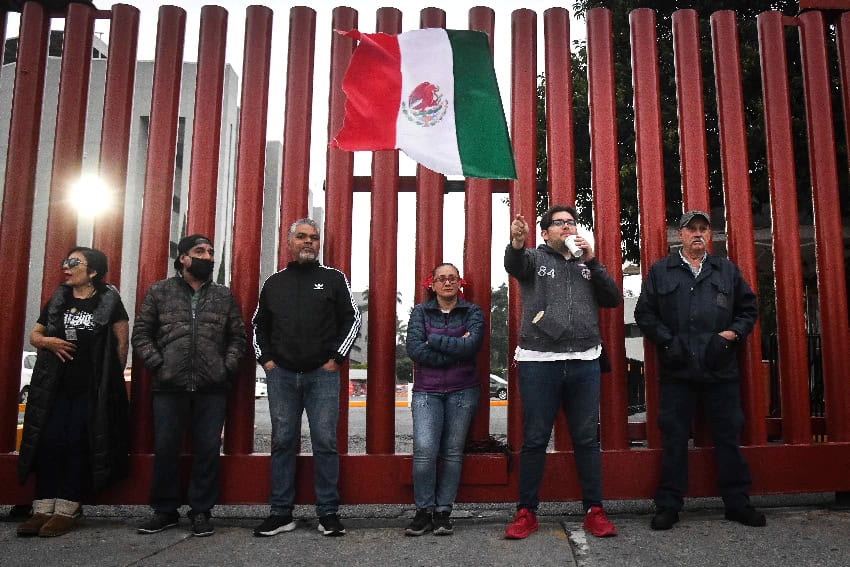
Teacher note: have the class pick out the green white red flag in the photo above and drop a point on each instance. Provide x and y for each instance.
(431, 93)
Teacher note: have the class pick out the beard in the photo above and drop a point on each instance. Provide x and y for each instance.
(307, 254)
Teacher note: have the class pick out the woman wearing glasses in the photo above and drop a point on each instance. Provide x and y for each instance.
(75, 434)
(443, 337)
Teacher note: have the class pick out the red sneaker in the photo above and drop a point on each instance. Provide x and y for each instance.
(524, 524)
(597, 523)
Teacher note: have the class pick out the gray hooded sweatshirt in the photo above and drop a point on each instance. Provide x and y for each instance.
(560, 299)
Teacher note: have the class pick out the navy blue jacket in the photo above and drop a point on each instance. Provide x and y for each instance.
(683, 315)
(444, 359)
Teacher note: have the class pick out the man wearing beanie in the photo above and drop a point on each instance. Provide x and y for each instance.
(190, 335)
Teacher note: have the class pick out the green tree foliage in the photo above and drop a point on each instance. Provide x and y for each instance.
(499, 330)
(746, 12)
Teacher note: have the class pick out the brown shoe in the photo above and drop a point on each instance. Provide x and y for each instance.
(31, 527)
(42, 509)
(63, 520)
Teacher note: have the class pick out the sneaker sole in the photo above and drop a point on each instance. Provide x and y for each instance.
(156, 531)
(284, 528)
(414, 533)
(203, 534)
(330, 533)
(444, 531)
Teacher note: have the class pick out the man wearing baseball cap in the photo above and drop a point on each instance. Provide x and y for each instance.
(190, 335)
(696, 308)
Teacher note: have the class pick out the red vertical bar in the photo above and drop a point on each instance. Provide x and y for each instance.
(522, 191)
(68, 143)
(248, 213)
(843, 41)
(559, 141)
(832, 294)
(295, 179)
(606, 215)
(115, 132)
(689, 99)
(692, 145)
(380, 388)
(478, 212)
(429, 198)
(559, 106)
(206, 129)
(17, 212)
(650, 181)
(788, 274)
(338, 191)
(159, 188)
(739, 218)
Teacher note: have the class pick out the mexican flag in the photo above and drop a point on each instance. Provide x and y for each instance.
(431, 93)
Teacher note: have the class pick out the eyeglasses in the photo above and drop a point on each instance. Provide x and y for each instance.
(444, 279)
(71, 263)
(561, 222)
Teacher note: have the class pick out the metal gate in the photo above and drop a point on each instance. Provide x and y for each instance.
(791, 462)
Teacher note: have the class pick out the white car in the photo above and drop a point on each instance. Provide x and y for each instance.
(27, 364)
(260, 388)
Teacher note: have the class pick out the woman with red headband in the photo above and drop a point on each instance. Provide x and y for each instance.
(443, 337)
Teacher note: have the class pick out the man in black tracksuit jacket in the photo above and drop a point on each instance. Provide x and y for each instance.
(696, 308)
(305, 324)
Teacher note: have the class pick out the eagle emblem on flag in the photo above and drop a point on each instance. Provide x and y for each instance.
(426, 105)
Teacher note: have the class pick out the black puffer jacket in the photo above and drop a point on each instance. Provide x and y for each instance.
(108, 431)
(189, 351)
(683, 315)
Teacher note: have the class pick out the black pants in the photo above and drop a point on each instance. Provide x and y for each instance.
(62, 457)
(171, 412)
(722, 408)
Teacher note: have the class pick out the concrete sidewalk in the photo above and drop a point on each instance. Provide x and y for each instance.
(801, 531)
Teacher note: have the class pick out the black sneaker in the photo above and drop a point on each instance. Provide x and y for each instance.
(201, 526)
(274, 525)
(442, 523)
(421, 523)
(160, 521)
(664, 519)
(746, 515)
(330, 525)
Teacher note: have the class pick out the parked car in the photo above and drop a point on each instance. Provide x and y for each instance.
(498, 387)
(27, 364)
(261, 389)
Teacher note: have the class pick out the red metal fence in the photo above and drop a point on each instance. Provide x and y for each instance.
(793, 463)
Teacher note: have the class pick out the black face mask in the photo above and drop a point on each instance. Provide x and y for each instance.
(201, 269)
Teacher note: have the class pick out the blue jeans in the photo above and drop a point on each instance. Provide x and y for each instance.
(170, 413)
(722, 409)
(290, 393)
(543, 388)
(440, 424)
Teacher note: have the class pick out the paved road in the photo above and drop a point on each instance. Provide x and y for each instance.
(802, 531)
(357, 428)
